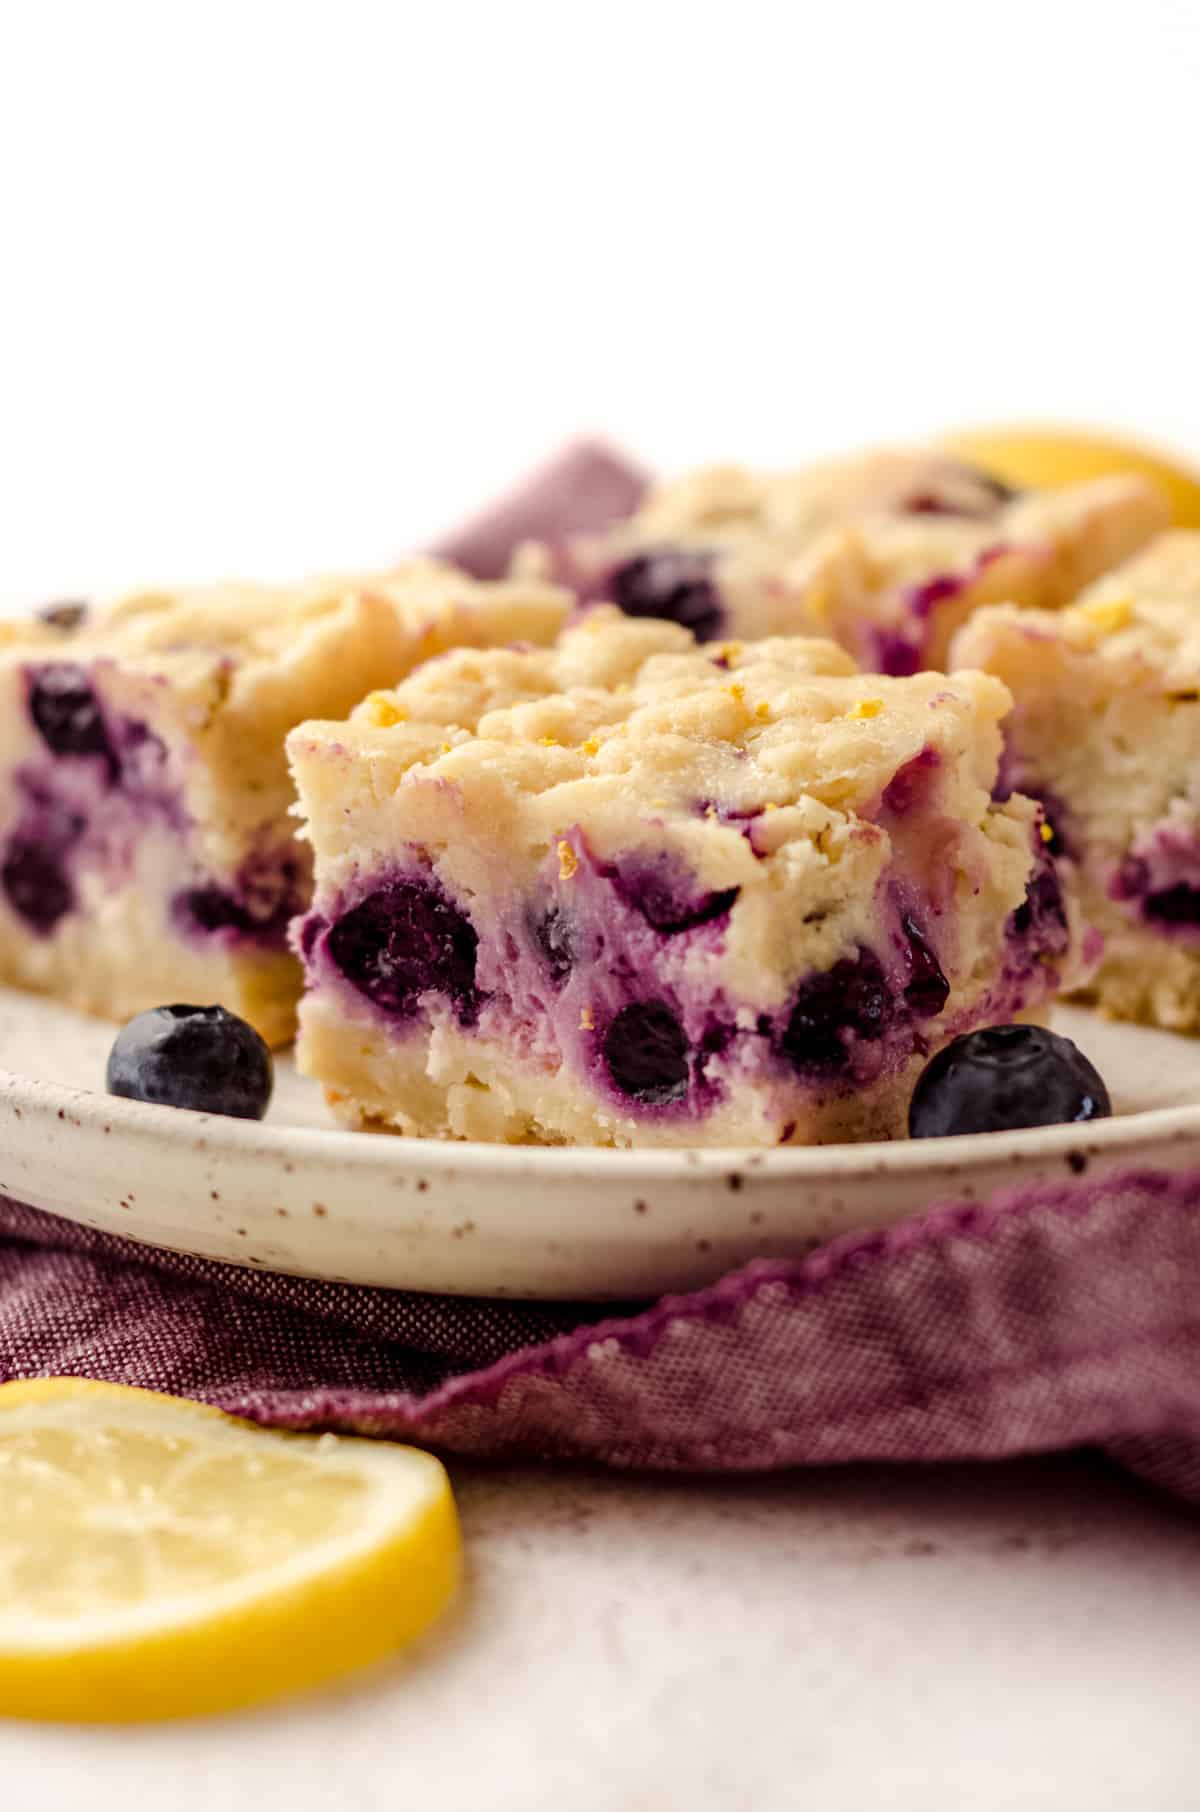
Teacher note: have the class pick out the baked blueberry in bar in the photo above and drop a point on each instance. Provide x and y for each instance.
(1106, 732)
(147, 852)
(636, 891)
(888, 553)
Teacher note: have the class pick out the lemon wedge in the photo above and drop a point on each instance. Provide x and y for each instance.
(1055, 456)
(159, 1559)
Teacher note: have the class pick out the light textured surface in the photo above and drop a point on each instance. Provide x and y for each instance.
(992, 1638)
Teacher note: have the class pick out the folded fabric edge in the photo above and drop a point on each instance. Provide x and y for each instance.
(640, 1333)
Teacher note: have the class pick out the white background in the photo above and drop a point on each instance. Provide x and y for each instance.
(286, 286)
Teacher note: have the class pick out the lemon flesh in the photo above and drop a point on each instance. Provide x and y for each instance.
(1056, 456)
(159, 1559)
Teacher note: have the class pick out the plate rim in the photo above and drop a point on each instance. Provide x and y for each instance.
(168, 1127)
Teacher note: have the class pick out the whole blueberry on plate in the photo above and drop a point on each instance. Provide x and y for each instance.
(1005, 1077)
(200, 1057)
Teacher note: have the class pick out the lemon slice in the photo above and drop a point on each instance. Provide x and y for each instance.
(1055, 456)
(159, 1559)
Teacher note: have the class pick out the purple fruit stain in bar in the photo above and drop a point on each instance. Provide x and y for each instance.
(260, 905)
(896, 655)
(674, 583)
(555, 937)
(1177, 905)
(142, 759)
(404, 940)
(66, 712)
(833, 1010)
(645, 1051)
(310, 932)
(928, 990)
(34, 867)
(662, 891)
(1043, 913)
(923, 599)
(36, 883)
(1169, 903)
(909, 784)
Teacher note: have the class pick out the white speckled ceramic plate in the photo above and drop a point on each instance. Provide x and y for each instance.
(298, 1194)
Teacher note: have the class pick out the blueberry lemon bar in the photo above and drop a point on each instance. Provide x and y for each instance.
(635, 891)
(147, 851)
(888, 553)
(1106, 732)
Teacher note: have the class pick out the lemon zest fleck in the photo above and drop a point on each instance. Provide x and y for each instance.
(383, 711)
(1106, 615)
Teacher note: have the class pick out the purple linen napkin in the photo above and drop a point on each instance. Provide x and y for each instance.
(1066, 1315)
(580, 491)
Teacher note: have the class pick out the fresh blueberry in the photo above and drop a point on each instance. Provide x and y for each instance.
(200, 1057)
(65, 614)
(35, 882)
(1006, 1077)
(556, 938)
(671, 582)
(66, 711)
(404, 940)
(928, 990)
(833, 1009)
(646, 1051)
